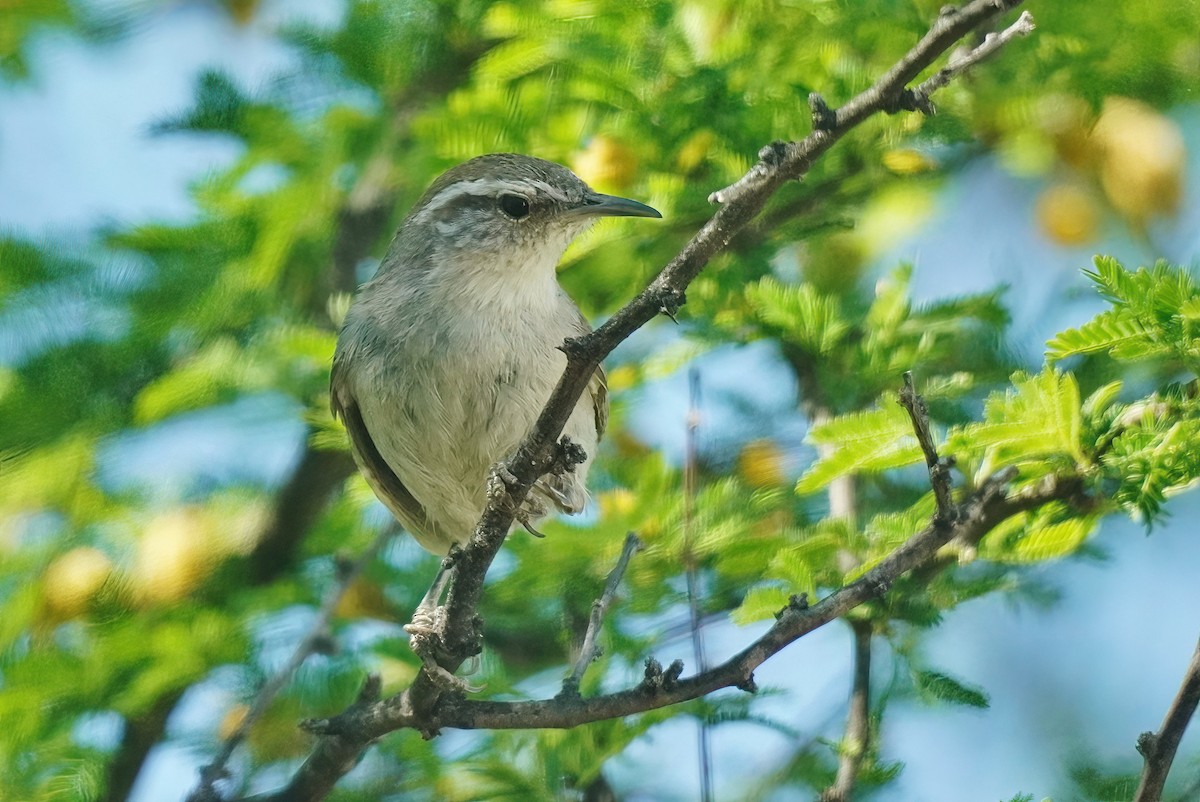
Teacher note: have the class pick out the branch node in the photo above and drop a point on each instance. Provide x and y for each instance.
(322, 726)
(773, 155)
(656, 679)
(671, 676)
(652, 676)
(748, 684)
(670, 300)
(823, 117)
(1147, 745)
(574, 347)
(797, 603)
(370, 691)
(567, 455)
(939, 470)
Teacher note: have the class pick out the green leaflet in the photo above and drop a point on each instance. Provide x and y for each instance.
(936, 686)
(760, 603)
(1154, 314)
(804, 316)
(863, 442)
(1038, 417)
(1117, 331)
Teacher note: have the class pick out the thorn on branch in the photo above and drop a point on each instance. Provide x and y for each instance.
(823, 117)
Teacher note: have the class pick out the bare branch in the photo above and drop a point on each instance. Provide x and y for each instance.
(590, 649)
(318, 640)
(1158, 748)
(856, 743)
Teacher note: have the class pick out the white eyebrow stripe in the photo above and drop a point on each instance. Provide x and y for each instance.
(488, 186)
(551, 190)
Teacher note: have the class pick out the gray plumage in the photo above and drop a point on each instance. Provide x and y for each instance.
(449, 353)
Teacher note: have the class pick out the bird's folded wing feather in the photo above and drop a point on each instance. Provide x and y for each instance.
(383, 480)
(598, 389)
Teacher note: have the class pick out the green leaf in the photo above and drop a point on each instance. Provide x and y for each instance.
(861, 442)
(1116, 331)
(1051, 541)
(934, 685)
(761, 602)
(804, 316)
(1101, 399)
(1038, 417)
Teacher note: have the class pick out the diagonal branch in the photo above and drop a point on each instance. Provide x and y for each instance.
(424, 704)
(590, 649)
(981, 512)
(318, 639)
(1158, 748)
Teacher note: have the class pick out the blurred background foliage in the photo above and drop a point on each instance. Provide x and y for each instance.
(124, 599)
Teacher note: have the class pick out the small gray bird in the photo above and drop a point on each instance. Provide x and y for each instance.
(449, 353)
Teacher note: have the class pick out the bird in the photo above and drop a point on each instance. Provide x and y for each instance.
(448, 354)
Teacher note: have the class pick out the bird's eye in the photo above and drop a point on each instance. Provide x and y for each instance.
(514, 206)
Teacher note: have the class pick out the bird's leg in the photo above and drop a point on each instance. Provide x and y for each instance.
(425, 617)
(425, 630)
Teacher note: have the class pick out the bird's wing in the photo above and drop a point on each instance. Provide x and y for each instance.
(598, 385)
(598, 389)
(380, 476)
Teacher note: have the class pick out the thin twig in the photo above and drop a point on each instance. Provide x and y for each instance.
(939, 469)
(1023, 26)
(318, 640)
(1158, 748)
(856, 743)
(590, 650)
(691, 469)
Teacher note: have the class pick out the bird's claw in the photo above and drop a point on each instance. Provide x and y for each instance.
(445, 680)
(500, 480)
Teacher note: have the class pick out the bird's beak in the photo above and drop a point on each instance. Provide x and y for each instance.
(598, 205)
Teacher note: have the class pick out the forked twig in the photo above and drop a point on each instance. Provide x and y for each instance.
(590, 650)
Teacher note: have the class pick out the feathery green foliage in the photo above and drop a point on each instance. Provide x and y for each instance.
(138, 569)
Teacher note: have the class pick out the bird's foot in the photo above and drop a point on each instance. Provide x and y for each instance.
(445, 680)
(530, 510)
(426, 622)
(425, 635)
(500, 482)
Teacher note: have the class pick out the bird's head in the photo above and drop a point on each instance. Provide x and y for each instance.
(512, 209)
